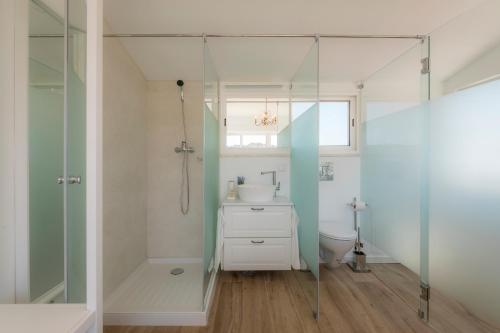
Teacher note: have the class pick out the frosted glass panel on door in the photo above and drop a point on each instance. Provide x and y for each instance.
(210, 166)
(46, 214)
(464, 199)
(391, 160)
(76, 120)
(46, 156)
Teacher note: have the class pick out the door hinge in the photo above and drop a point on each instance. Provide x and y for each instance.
(426, 66)
(352, 122)
(423, 311)
(225, 122)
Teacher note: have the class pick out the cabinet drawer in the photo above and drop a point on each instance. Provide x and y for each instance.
(253, 254)
(257, 221)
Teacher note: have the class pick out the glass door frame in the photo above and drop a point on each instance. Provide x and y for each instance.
(425, 91)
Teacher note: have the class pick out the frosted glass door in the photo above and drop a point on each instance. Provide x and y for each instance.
(392, 160)
(210, 165)
(75, 152)
(304, 165)
(56, 137)
(46, 154)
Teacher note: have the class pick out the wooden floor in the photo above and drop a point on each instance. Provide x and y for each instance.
(382, 301)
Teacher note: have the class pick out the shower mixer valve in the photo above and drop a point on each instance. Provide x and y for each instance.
(184, 148)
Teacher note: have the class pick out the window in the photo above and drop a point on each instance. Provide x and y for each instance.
(336, 126)
(254, 123)
(257, 121)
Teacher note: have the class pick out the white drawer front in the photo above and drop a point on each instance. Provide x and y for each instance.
(257, 221)
(253, 254)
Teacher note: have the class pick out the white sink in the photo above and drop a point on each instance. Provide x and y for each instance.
(256, 193)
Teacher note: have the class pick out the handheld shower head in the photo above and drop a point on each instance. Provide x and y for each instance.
(180, 84)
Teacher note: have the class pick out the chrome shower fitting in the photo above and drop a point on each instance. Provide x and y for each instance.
(183, 148)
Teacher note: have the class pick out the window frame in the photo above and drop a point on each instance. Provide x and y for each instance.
(331, 150)
(352, 148)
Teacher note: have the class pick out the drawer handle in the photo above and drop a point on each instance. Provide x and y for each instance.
(257, 242)
(257, 209)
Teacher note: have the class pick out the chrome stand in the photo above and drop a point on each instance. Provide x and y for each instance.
(358, 265)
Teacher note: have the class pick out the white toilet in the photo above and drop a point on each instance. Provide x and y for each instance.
(335, 240)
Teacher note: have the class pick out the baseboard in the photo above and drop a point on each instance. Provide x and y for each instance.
(50, 294)
(175, 260)
(156, 319)
(371, 259)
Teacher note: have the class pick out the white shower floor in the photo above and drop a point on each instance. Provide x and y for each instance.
(152, 289)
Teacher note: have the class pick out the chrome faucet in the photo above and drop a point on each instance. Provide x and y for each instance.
(184, 148)
(273, 172)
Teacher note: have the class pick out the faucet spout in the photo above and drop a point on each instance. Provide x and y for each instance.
(268, 172)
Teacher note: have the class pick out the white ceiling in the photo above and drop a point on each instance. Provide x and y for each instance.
(282, 16)
(272, 59)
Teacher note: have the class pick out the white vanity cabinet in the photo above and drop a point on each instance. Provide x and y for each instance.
(257, 236)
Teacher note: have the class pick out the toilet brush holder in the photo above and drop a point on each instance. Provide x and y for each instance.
(358, 265)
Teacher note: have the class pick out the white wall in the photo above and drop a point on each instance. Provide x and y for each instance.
(250, 168)
(7, 222)
(334, 195)
(171, 234)
(125, 167)
(484, 67)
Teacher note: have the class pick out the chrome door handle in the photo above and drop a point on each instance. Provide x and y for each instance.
(74, 180)
(257, 209)
(60, 180)
(257, 242)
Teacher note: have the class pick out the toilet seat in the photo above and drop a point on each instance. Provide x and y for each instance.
(336, 231)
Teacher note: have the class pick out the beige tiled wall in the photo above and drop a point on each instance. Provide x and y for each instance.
(171, 234)
(125, 165)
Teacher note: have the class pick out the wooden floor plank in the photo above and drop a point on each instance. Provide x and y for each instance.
(446, 315)
(273, 302)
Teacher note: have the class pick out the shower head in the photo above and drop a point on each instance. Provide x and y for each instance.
(180, 83)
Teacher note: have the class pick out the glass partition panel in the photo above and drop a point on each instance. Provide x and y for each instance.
(464, 177)
(464, 203)
(46, 153)
(210, 166)
(392, 179)
(304, 168)
(75, 150)
(390, 159)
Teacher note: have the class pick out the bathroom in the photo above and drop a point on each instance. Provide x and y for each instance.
(228, 176)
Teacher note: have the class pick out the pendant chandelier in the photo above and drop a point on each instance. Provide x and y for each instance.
(266, 119)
